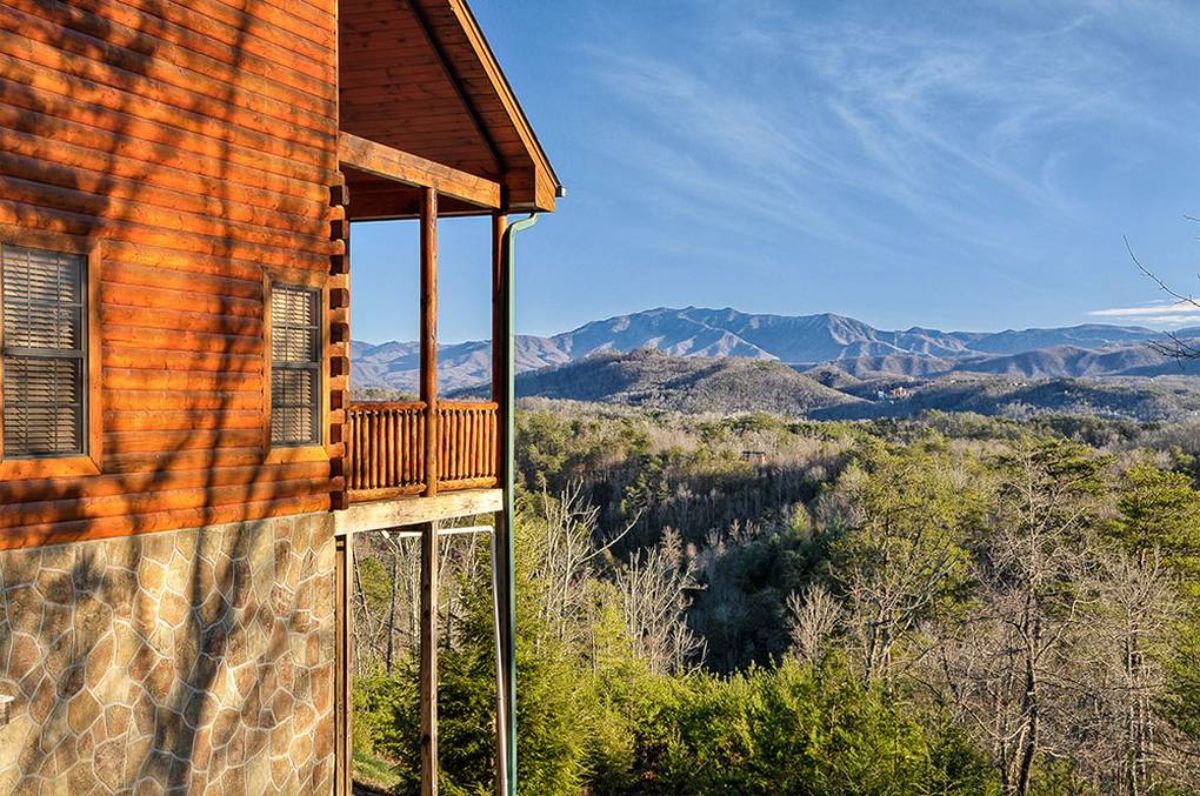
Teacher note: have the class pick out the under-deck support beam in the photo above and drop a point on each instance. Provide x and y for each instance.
(344, 643)
(429, 537)
(429, 659)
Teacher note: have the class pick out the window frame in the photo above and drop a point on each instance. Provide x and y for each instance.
(90, 460)
(281, 452)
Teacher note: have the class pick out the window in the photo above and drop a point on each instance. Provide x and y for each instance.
(43, 294)
(295, 365)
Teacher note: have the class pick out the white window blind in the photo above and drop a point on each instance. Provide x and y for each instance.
(45, 336)
(295, 365)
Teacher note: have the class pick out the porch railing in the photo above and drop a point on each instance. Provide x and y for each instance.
(385, 447)
(467, 455)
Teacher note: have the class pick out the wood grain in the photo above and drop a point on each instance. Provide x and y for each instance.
(190, 146)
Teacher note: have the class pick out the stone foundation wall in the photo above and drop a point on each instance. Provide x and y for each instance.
(196, 661)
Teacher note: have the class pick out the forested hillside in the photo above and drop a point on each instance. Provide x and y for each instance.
(756, 604)
(654, 380)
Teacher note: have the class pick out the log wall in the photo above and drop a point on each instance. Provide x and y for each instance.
(194, 142)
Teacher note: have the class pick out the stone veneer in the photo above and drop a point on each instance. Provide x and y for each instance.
(196, 661)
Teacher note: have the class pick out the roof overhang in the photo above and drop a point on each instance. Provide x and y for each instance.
(421, 93)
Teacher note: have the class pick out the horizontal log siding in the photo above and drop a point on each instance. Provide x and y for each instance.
(197, 141)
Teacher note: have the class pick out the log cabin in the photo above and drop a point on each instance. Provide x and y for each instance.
(182, 470)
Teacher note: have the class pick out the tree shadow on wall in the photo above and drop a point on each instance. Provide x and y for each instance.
(182, 179)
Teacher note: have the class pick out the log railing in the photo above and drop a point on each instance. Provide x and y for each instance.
(385, 448)
(467, 454)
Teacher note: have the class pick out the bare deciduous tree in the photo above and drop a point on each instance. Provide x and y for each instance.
(899, 561)
(655, 591)
(565, 552)
(1175, 346)
(1005, 666)
(814, 616)
(1129, 747)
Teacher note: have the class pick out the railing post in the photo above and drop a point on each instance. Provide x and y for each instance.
(429, 352)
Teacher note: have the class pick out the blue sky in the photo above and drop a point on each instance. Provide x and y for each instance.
(954, 165)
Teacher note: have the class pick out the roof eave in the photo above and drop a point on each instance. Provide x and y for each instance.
(547, 186)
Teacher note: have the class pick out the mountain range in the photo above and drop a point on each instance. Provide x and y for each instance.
(829, 348)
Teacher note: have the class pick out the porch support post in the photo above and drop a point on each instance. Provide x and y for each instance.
(500, 395)
(429, 352)
(429, 659)
(429, 544)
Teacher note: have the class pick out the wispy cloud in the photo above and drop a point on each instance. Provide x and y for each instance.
(841, 125)
(1166, 315)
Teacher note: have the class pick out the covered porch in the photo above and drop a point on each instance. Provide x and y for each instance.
(419, 448)
(429, 129)
(413, 449)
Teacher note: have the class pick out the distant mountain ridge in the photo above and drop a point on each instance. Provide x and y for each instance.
(802, 342)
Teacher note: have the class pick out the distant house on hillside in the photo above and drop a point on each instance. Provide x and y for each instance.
(181, 469)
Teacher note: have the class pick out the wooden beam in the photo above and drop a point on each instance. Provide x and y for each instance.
(363, 517)
(394, 164)
(429, 351)
(377, 205)
(429, 659)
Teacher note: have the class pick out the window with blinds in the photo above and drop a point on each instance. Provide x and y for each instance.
(295, 365)
(43, 296)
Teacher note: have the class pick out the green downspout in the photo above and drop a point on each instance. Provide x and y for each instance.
(509, 550)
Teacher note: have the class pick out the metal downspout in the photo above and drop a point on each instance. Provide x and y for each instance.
(509, 551)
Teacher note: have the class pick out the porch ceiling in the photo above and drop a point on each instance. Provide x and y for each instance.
(418, 76)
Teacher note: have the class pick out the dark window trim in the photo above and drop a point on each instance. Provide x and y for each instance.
(81, 353)
(315, 366)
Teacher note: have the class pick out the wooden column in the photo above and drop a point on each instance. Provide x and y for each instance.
(343, 650)
(429, 353)
(499, 328)
(500, 340)
(429, 658)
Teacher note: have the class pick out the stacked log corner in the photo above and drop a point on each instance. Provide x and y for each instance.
(339, 339)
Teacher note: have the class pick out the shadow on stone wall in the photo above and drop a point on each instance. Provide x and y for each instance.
(197, 661)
